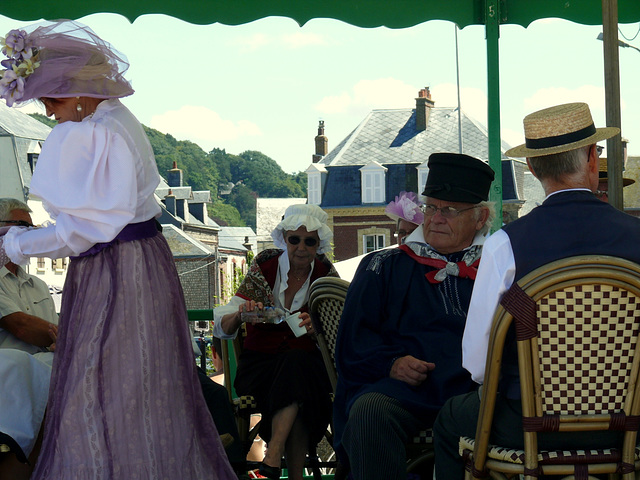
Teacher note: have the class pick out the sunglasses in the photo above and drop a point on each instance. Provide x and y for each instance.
(19, 223)
(308, 241)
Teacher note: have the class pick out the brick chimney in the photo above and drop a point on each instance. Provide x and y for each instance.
(322, 144)
(424, 104)
(170, 202)
(174, 177)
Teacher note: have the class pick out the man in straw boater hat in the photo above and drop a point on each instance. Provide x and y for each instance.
(561, 152)
(603, 182)
(399, 346)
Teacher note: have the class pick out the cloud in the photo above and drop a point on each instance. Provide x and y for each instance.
(203, 126)
(473, 101)
(547, 97)
(257, 41)
(334, 103)
(31, 107)
(301, 40)
(251, 42)
(368, 95)
(512, 137)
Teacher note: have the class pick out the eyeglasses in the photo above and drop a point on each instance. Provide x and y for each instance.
(601, 193)
(599, 149)
(308, 241)
(446, 212)
(19, 223)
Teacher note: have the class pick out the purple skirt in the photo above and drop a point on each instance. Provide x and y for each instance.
(125, 401)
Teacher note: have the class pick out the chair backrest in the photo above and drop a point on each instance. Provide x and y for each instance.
(577, 324)
(326, 301)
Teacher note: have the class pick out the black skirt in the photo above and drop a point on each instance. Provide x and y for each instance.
(278, 380)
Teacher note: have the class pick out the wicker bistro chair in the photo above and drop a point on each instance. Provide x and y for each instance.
(326, 301)
(577, 322)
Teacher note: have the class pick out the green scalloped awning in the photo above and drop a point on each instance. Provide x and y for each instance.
(362, 13)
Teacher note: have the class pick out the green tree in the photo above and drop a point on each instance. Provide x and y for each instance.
(244, 199)
(225, 215)
(252, 173)
(49, 122)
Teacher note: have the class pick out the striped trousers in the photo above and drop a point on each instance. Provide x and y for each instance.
(375, 436)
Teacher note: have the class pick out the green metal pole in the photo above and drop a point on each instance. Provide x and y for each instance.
(492, 25)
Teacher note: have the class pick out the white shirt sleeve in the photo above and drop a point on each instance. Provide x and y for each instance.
(219, 312)
(86, 177)
(495, 275)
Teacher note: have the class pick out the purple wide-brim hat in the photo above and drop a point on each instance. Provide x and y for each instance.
(406, 206)
(61, 59)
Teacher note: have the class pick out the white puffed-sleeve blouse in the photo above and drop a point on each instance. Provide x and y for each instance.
(94, 177)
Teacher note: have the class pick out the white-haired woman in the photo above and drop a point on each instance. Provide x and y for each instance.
(283, 372)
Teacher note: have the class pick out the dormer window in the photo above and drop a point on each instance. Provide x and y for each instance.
(423, 171)
(372, 177)
(314, 183)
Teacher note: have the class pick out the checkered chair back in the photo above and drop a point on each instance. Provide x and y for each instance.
(586, 339)
(326, 301)
(577, 324)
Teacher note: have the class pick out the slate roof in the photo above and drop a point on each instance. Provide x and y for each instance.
(19, 124)
(390, 137)
(233, 238)
(24, 135)
(182, 193)
(182, 245)
(269, 212)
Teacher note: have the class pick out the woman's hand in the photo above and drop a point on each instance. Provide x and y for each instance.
(249, 306)
(231, 322)
(306, 323)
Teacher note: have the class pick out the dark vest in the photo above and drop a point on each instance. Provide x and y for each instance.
(566, 224)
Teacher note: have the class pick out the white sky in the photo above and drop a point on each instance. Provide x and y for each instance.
(265, 85)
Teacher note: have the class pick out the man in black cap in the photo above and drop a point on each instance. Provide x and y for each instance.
(561, 152)
(398, 351)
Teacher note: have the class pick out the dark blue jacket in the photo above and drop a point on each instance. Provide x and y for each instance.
(391, 310)
(567, 224)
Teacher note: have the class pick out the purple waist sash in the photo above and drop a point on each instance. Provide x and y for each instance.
(133, 231)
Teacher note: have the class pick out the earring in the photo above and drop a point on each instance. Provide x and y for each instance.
(78, 106)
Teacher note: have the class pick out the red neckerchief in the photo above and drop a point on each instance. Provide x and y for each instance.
(465, 271)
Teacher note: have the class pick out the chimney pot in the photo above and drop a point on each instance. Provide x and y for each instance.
(322, 144)
(424, 104)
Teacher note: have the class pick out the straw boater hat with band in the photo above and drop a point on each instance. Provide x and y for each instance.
(603, 174)
(559, 129)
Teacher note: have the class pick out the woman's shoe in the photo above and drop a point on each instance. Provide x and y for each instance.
(226, 439)
(268, 471)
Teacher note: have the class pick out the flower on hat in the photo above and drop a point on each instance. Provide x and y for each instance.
(406, 206)
(21, 62)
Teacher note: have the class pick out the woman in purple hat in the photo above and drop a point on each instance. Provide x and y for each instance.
(124, 399)
(405, 210)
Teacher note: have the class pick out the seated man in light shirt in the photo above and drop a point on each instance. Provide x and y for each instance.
(28, 325)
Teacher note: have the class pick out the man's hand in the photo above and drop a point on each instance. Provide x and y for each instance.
(53, 333)
(410, 370)
(28, 328)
